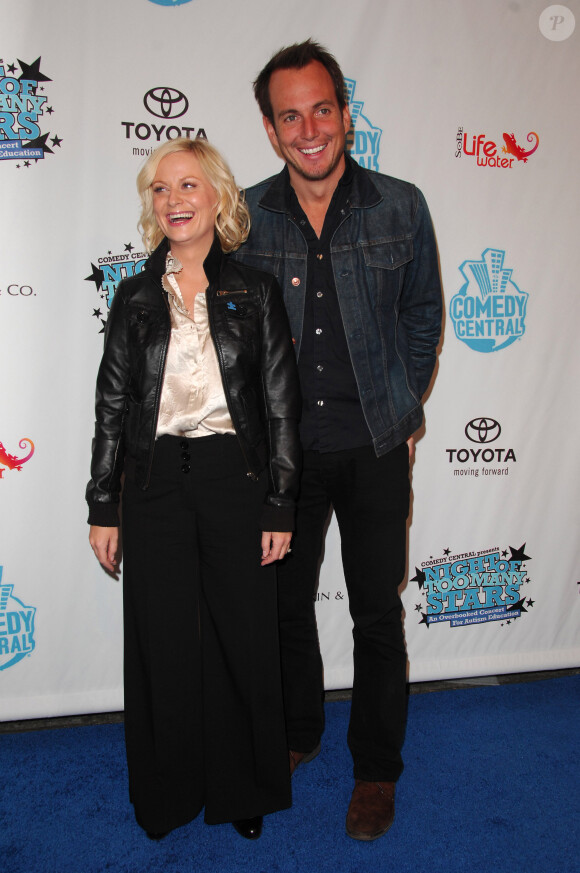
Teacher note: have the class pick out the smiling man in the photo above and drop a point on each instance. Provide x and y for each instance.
(355, 255)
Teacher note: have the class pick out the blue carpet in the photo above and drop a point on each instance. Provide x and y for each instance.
(491, 784)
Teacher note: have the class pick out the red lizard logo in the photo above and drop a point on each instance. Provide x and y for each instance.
(511, 147)
(11, 461)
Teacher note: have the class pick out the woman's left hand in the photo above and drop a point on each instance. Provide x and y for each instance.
(275, 546)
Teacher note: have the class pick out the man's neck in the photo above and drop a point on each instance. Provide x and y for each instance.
(314, 195)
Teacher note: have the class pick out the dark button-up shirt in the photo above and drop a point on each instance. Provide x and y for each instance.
(332, 416)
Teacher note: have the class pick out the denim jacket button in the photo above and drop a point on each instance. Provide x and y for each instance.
(296, 280)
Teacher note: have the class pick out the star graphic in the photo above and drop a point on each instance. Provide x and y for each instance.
(11, 68)
(519, 605)
(39, 143)
(419, 577)
(97, 276)
(97, 313)
(425, 619)
(32, 71)
(56, 141)
(418, 607)
(26, 163)
(49, 110)
(129, 247)
(530, 602)
(446, 551)
(504, 553)
(508, 622)
(519, 554)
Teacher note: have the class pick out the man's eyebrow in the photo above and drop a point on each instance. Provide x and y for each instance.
(327, 102)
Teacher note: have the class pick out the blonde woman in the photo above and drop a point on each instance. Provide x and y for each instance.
(197, 404)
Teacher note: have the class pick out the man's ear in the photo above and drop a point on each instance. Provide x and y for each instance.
(272, 136)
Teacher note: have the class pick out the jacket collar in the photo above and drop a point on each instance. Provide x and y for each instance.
(363, 193)
(211, 265)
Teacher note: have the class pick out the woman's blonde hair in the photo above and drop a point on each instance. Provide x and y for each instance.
(232, 220)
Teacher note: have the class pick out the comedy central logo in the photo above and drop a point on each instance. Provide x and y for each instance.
(108, 272)
(169, 2)
(481, 457)
(12, 462)
(489, 153)
(167, 105)
(489, 311)
(363, 139)
(474, 587)
(16, 627)
(22, 107)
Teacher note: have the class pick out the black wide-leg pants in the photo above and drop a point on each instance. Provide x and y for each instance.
(204, 721)
(370, 497)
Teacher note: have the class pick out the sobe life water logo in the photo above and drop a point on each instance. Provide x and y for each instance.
(9, 461)
(16, 627)
(23, 108)
(472, 588)
(363, 139)
(489, 312)
(501, 154)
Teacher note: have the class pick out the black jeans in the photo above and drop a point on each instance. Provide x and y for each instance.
(370, 497)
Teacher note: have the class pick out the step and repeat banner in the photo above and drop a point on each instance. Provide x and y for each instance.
(478, 104)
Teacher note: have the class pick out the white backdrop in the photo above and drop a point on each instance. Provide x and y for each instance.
(438, 89)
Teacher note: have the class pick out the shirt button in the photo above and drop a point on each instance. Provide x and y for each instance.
(320, 368)
(319, 294)
(184, 444)
(296, 280)
(320, 257)
(185, 468)
(318, 330)
(321, 402)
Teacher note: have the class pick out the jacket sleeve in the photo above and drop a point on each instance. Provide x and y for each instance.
(107, 461)
(420, 303)
(283, 406)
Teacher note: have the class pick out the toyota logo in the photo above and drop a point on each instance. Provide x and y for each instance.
(482, 430)
(166, 102)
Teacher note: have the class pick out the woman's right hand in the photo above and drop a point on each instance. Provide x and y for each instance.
(105, 544)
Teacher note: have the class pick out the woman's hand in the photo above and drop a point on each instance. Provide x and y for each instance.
(105, 544)
(275, 546)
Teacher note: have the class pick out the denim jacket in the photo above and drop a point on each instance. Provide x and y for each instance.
(385, 265)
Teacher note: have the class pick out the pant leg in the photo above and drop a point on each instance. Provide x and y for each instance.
(371, 500)
(162, 656)
(302, 674)
(245, 751)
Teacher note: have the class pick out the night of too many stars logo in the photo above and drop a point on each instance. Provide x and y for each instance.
(16, 627)
(472, 588)
(24, 113)
(106, 275)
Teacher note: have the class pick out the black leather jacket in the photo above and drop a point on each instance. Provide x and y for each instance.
(258, 369)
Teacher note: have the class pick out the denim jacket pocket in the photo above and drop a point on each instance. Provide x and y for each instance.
(388, 255)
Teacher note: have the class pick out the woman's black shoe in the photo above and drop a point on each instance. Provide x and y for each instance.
(250, 828)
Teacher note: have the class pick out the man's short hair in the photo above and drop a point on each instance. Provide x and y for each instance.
(295, 57)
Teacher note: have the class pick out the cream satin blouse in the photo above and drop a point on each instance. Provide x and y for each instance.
(193, 402)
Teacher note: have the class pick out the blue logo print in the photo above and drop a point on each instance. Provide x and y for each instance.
(21, 108)
(474, 587)
(363, 139)
(170, 2)
(489, 311)
(107, 275)
(16, 627)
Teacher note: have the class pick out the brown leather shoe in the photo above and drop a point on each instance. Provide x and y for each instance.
(297, 758)
(371, 811)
